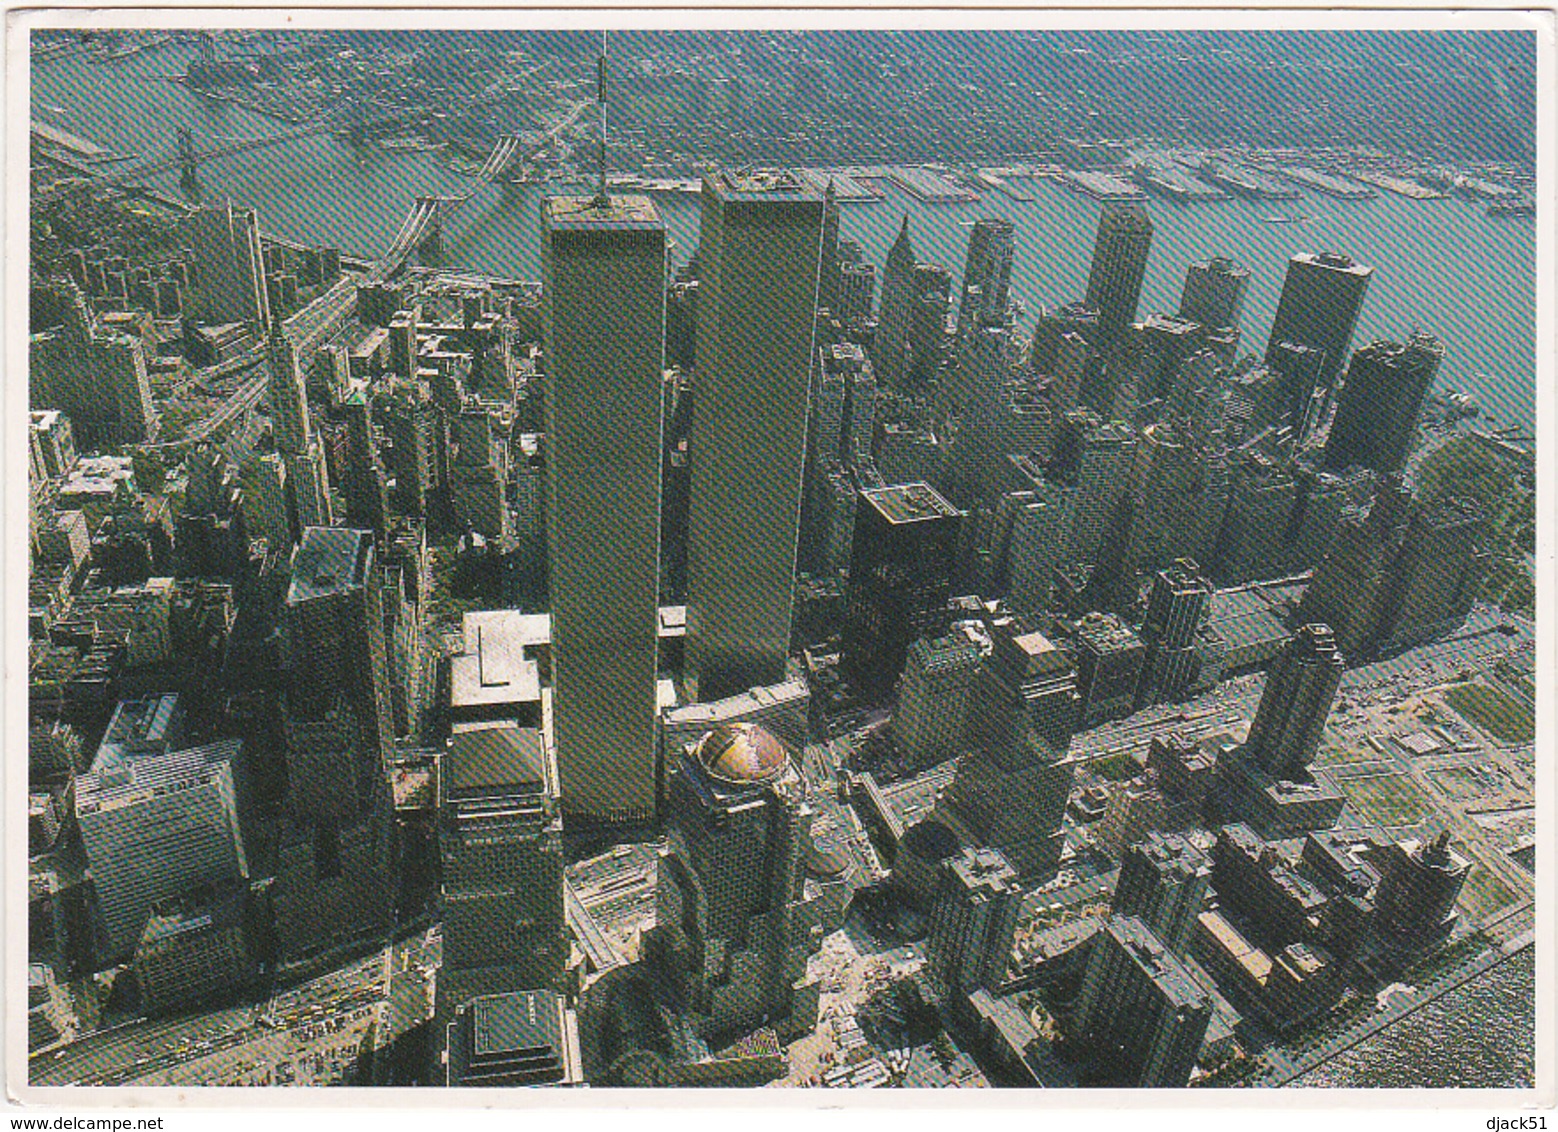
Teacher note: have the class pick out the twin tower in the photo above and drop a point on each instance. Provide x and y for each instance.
(759, 258)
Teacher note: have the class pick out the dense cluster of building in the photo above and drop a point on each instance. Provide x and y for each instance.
(742, 501)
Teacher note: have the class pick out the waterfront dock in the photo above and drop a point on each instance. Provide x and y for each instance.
(1103, 186)
(849, 185)
(1001, 185)
(1250, 183)
(929, 186)
(1169, 179)
(83, 150)
(1328, 183)
(1398, 185)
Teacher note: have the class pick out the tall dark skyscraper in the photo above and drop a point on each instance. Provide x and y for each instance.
(1011, 788)
(1214, 293)
(1068, 371)
(1301, 376)
(1379, 404)
(604, 319)
(984, 370)
(1350, 590)
(1167, 500)
(1141, 1014)
(96, 377)
(974, 920)
(1013, 799)
(1176, 609)
(1164, 881)
(1159, 346)
(1110, 659)
(829, 274)
(1105, 454)
(367, 504)
(931, 716)
(334, 875)
(308, 481)
(501, 846)
(829, 403)
(856, 292)
(337, 703)
(1119, 263)
(1299, 692)
(229, 276)
(896, 311)
(1435, 579)
(154, 824)
(987, 277)
(735, 912)
(900, 578)
(1321, 297)
(758, 267)
(417, 427)
(1054, 324)
(1420, 881)
(928, 330)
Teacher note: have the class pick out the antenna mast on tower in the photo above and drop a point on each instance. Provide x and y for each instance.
(601, 200)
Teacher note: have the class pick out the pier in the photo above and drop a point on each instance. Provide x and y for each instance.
(1328, 184)
(1103, 186)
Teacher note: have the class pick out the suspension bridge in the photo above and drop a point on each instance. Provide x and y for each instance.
(421, 230)
(308, 329)
(188, 157)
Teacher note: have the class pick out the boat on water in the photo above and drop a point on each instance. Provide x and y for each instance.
(54, 109)
(1280, 219)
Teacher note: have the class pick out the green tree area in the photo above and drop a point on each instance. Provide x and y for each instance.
(1505, 719)
(1472, 469)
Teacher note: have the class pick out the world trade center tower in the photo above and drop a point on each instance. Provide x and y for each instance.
(604, 339)
(758, 258)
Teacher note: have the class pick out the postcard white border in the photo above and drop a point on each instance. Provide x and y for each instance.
(1426, 1108)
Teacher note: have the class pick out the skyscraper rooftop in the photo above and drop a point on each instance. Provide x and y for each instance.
(1335, 261)
(329, 561)
(1167, 973)
(493, 756)
(586, 213)
(909, 502)
(762, 184)
(132, 783)
(742, 754)
(511, 1040)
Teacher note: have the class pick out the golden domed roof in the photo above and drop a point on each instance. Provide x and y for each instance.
(742, 753)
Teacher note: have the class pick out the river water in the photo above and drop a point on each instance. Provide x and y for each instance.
(1443, 266)
(1482, 1035)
